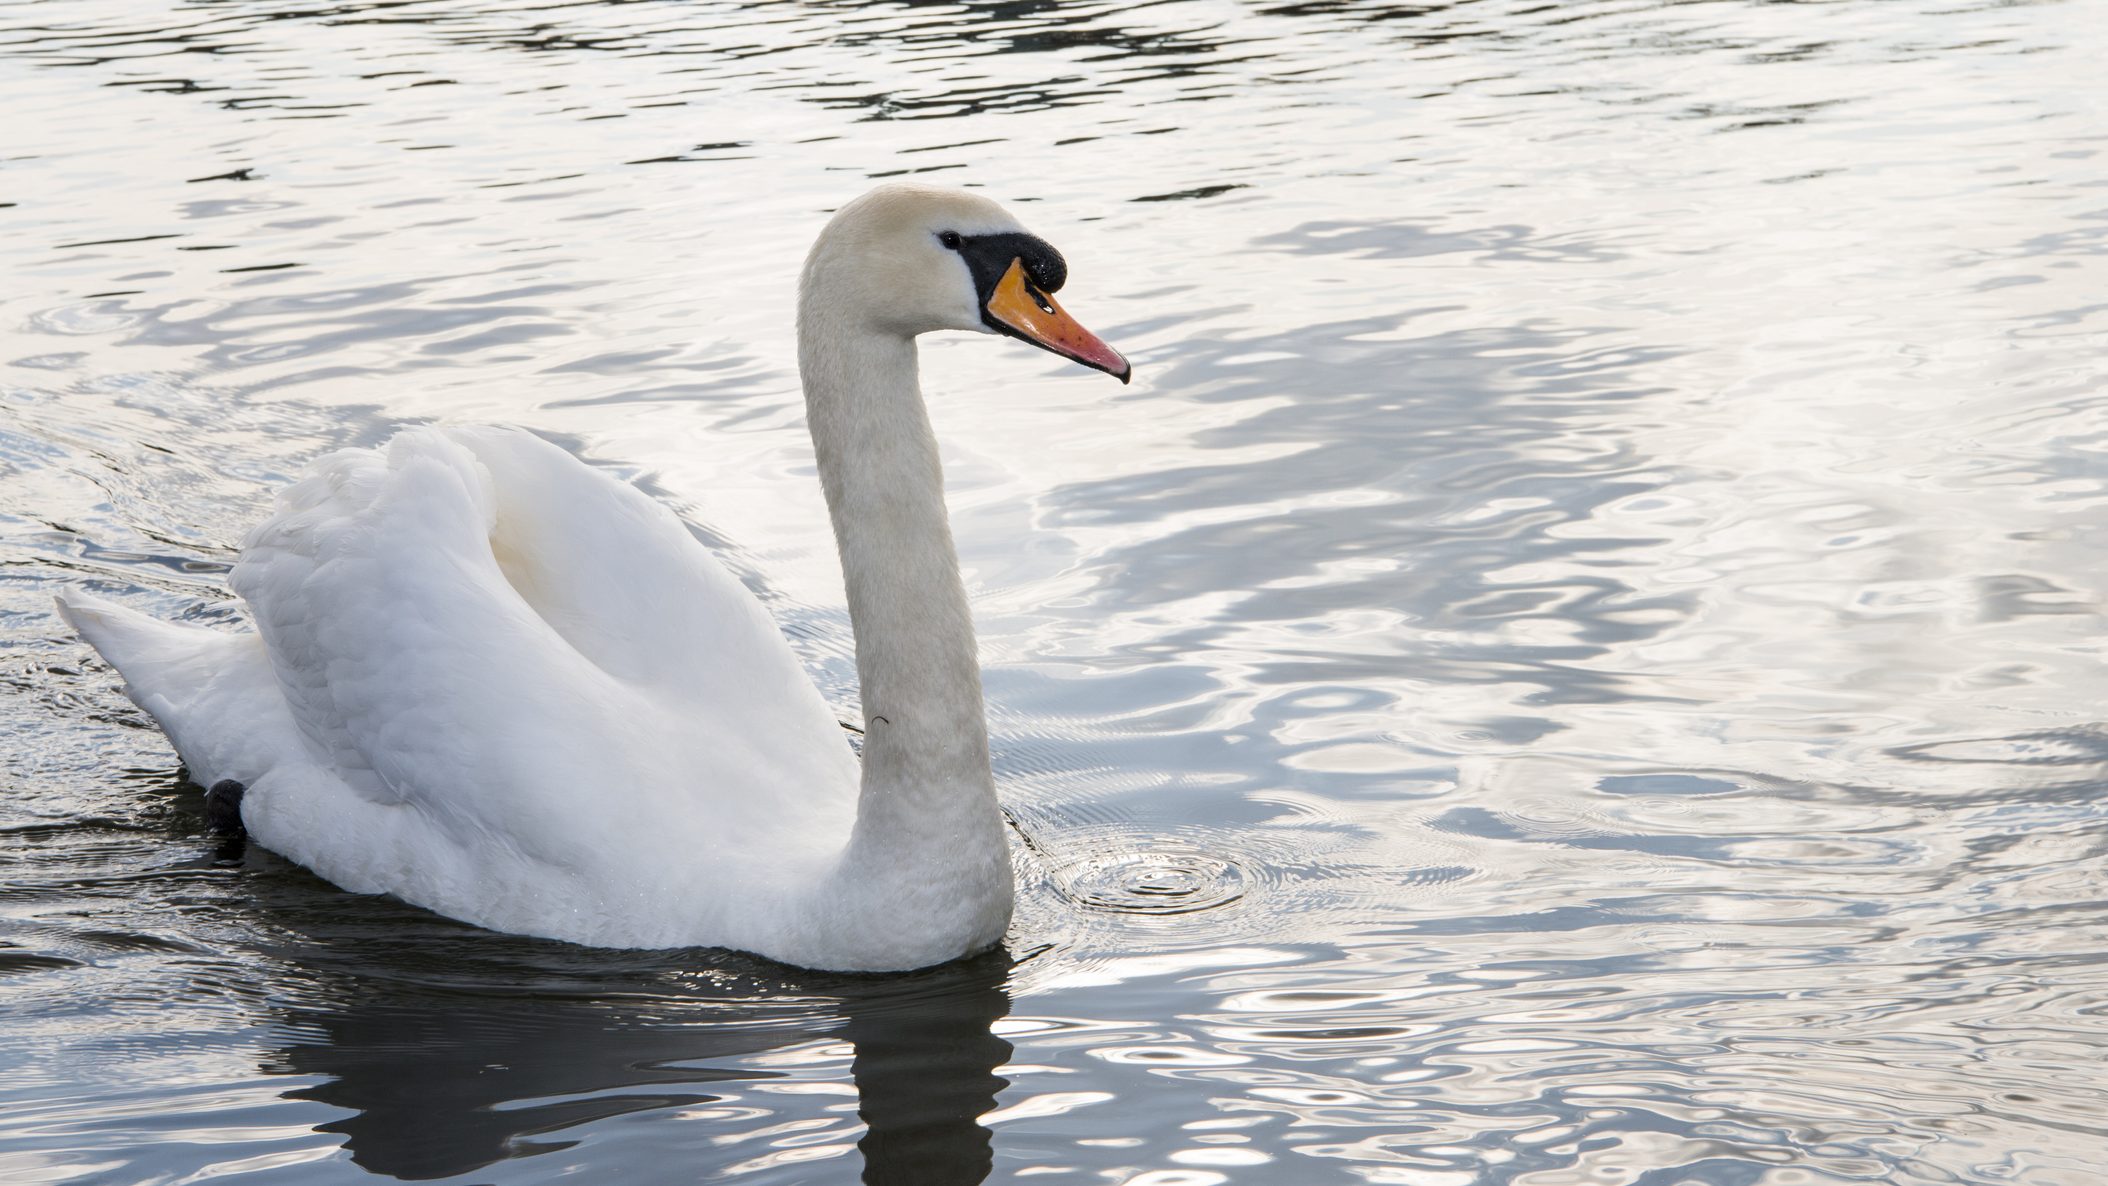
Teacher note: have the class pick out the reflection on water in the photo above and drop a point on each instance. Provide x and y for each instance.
(440, 1073)
(1578, 659)
(925, 1072)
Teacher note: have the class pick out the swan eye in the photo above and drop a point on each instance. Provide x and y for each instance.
(950, 239)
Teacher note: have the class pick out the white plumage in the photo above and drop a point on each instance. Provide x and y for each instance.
(497, 683)
(492, 681)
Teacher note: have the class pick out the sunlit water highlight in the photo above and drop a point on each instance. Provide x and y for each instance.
(1578, 660)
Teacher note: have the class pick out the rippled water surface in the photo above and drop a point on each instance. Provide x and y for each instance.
(1578, 659)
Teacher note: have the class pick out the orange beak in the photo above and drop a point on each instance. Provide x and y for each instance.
(1023, 311)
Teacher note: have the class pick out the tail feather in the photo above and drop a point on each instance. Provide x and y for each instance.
(211, 691)
(145, 650)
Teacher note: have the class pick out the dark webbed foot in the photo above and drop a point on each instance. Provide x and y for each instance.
(223, 806)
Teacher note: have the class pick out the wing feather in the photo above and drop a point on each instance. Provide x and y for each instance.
(475, 625)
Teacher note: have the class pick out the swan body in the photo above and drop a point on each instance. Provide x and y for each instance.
(492, 681)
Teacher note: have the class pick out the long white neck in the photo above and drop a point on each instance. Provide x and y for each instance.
(928, 854)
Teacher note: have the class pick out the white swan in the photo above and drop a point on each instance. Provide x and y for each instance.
(494, 682)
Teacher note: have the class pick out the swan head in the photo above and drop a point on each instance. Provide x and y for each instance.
(910, 259)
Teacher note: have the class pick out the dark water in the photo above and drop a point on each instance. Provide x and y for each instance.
(1578, 661)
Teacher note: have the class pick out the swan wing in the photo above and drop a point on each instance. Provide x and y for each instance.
(414, 671)
(479, 601)
(508, 687)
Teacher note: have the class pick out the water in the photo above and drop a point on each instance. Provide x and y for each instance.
(1578, 660)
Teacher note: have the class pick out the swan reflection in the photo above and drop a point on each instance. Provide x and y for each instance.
(444, 1066)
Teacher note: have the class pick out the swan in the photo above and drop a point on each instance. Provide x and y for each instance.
(494, 682)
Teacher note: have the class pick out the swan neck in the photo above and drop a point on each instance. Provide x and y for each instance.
(927, 820)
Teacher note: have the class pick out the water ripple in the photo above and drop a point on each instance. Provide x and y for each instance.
(1577, 659)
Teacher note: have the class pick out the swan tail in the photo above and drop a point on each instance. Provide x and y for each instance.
(151, 654)
(209, 690)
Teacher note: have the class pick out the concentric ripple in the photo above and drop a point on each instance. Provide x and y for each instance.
(1154, 882)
